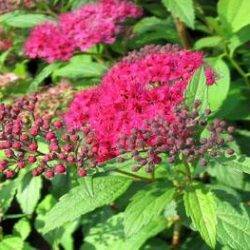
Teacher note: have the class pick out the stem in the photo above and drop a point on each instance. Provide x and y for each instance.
(132, 175)
(182, 32)
(176, 235)
(239, 70)
(188, 172)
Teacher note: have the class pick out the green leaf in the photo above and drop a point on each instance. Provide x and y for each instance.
(234, 14)
(241, 163)
(77, 68)
(197, 89)
(7, 193)
(78, 201)
(110, 235)
(200, 206)
(146, 205)
(238, 39)
(211, 41)
(233, 225)
(45, 72)
(28, 193)
(11, 243)
(183, 9)
(22, 228)
(20, 20)
(218, 92)
(227, 172)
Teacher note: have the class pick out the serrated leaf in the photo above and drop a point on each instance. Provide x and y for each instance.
(234, 14)
(211, 41)
(197, 89)
(233, 226)
(28, 193)
(21, 20)
(22, 228)
(110, 235)
(80, 69)
(7, 193)
(146, 205)
(11, 243)
(218, 92)
(183, 9)
(78, 201)
(200, 206)
(239, 38)
(45, 72)
(229, 172)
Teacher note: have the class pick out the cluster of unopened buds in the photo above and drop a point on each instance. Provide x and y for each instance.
(181, 140)
(22, 134)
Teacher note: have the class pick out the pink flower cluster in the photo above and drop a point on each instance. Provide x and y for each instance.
(80, 29)
(143, 86)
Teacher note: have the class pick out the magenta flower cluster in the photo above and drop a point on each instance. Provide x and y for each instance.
(81, 29)
(145, 85)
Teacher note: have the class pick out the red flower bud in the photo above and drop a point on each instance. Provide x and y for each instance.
(81, 172)
(58, 124)
(49, 136)
(49, 174)
(33, 147)
(3, 165)
(9, 174)
(21, 164)
(60, 169)
(31, 159)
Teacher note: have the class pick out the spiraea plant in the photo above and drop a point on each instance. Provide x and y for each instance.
(114, 138)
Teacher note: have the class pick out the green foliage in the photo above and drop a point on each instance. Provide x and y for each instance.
(218, 92)
(233, 225)
(81, 67)
(28, 193)
(146, 205)
(234, 13)
(197, 89)
(200, 206)
(183, 9)
(110, 235)
(80, 201)
(22, 20)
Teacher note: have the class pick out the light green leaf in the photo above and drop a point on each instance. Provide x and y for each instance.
(218, 92)
(7, 193)
(234, 14)
(239, 38)
(78, 201)
(80, 69)
(211, 41)
(20, 20)
(11, 243)
(233, 226)
(200, 206)
(183, 9)
(45, 72)
(197, 89)
(230, 173)
(146, 205)
(28, 193)
(22, 228)
(110, 235)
